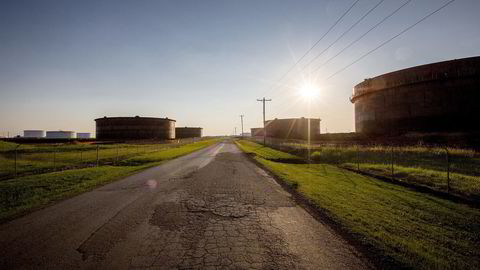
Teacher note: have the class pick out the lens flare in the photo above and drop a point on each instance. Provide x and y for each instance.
(308, 91)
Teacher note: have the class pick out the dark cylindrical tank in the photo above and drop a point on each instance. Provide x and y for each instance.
(256, 132)
(134, 128)
(438, 97)
(293, 128)
(188, 132)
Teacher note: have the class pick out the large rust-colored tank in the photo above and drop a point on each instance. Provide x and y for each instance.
(256, 132)
(293, 128)
(188, 132)
(438, 97)
(135, 128)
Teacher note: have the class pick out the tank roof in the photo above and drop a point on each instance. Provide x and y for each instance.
(135, 117)
(443, 70)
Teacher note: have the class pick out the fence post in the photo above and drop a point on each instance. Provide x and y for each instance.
(97, 154)
(16, 160)
(448, 170)
(116, 158)
(81, 156)
(392, 163)
(55, 158)
(358, 159)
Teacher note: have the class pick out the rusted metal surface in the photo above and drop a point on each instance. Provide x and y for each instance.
(188, 132)
(293, 128)
(429, 98)
(124, 128)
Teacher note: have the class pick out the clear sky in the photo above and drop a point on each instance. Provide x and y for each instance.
(64, 63)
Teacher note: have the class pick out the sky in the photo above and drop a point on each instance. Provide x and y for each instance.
(204, 63)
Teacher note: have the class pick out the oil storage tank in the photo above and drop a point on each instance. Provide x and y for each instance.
(60, 134)
(293, 128)
(33, 133)
(83, 135)
(256, 132)
(438, 97)
(188, 132)
(134, 128)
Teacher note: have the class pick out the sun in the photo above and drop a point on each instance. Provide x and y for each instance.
(308, 91)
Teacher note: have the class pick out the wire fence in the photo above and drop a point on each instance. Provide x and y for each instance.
(440, 168)
(18, 160)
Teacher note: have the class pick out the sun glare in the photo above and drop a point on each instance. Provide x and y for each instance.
(308, 91)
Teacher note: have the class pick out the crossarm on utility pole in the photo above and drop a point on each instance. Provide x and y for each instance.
(264, 127)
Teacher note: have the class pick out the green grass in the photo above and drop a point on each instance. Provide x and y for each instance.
(415, 165)
(265, 152)
(460, 184)
(417, 230)
(31, 192)
(23, 194)
(462, 161)
(42, 158)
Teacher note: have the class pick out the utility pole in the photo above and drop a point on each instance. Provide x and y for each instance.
(241, 119)
(235, 131)
(264, 127)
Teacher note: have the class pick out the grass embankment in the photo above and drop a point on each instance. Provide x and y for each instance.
(416, 230)
(412, 164)
(267, 153)
(42, 158)
(23, 194)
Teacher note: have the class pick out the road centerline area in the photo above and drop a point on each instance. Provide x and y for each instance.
(212, 209)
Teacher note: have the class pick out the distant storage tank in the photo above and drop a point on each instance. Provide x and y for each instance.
(33, 133)
(188, 132)
(83, 135)
(256, 132)
(293, 128)
(60, 134)
(134, 128)
(438, 97)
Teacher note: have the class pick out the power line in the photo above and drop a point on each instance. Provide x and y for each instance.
(344, 33)
(392, 38)
(363, 35)
(316, 43)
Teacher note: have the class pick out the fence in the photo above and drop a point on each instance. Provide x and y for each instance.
(20, 160)
(448, 170)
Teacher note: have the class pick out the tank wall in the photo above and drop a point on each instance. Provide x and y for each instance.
(293, 128)
(256, 132)
(60, 134)
(134, 128)
(446, 104)
(83, 135)
(183, 132)
(33, 133)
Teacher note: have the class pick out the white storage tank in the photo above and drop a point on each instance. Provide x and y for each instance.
(83, 135)
(33, 133)
(60, 134)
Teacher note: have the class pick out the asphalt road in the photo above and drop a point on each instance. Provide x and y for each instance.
(213, 209)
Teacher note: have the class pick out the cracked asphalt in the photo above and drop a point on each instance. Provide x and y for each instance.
(212, 209)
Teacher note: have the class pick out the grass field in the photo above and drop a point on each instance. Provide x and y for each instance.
(42, 158)
(416, 230)
(415, 165)
(25, 193)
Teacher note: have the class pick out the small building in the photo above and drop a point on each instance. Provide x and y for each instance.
(61, 134)
(83, 135)
(188, 132)
(33, 133)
